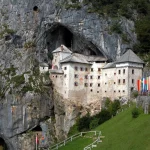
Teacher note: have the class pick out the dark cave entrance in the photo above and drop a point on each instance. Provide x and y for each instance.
(3, 145)
(59, 34)
(37, 129)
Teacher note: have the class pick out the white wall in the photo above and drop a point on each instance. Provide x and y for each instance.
(43, 69)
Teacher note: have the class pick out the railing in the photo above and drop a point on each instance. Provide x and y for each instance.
(63, 143)
(94, 144)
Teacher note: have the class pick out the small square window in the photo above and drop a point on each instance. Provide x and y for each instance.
(124, 81)
(76, 83)
(123, 91)
(91, 69)
(65, 75)
(105, 74)
(123, 71)
(99, 77)
(99, 69)
(86, 76)
(86, 84)
(132, 81)
(76, 68)
(98, 84)
(119, 71)
(118, 81)
(132, 71)
(56, 76)
(65, 68)
(91, 77)
(76, 75)
(81, 69)
(97, 91)
(86, 69)
(119, 91)
(114, 73)
(114, 82)
(91, 84)
(91, 90)
(114, 91)
(105, 91)
(105, 83)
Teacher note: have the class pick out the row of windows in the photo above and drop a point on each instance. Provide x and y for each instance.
(124, 81)
(119, 72)
(86, 84)
(118, 91)
(82, 69)
(86, 76)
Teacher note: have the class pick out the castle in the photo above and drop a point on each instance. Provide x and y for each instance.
(87, 79)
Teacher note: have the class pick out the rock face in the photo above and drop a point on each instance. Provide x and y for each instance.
(27, 28)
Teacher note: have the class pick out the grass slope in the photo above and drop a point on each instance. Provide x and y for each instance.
(121, 133)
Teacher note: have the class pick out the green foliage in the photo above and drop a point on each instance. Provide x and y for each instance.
(29, 44)
(135, 112)
(10, 71)
(73, 130)
(4, 29)
(116, 27)
(115, 107)
(73, 6)
(50, 55)
(83, 123)
(134, 94)
(94, 123)
(18, 80)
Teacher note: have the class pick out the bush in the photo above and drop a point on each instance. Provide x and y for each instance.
(83, 123)
(94, 123)
(114, 107)
(135, 112)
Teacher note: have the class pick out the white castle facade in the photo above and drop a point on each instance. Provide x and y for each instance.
(88, 79)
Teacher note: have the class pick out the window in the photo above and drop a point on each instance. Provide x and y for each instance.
(86, 84)
(65, 75)
(105, 74)
(65, 68)
(132, 71)
(124, 81)
(123, 71)
(132, 81)
(105, 91)
(114, 74)
(92, 69)
(91, 77)
(91, 84)
(99, 77)
(97, 91)
(81, 69)
(76, 75)
(114, 82)
(86, 69)
(119, 71)
(98, 84)
(119, 91)
(76, 68)
(86, 76)
(99, 69)
(105, 83)
(123, 91)
(56, 76)
(75, 83)
(91, 90)
(118, 81)
(114, 91)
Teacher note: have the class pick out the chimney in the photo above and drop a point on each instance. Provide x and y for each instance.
(61, 47)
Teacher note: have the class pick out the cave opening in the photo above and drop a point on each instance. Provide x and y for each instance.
(35, 8)
(37, 129)
(3, 145)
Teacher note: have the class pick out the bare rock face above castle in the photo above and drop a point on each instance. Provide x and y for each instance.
(29, 31)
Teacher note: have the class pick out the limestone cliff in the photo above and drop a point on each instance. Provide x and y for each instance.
(27, 28)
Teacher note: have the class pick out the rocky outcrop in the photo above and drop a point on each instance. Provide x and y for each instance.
(27, 27)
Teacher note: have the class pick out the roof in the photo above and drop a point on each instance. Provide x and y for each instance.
(94, 58)
(42, 64)
(56, 71)
(130, 56)
(75, 57)
(110, 65)
(62, 48)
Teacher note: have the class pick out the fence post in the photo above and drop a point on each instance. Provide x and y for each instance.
(71, 138)
(64, 142)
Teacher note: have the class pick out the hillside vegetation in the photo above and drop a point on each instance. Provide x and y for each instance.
(121, 133)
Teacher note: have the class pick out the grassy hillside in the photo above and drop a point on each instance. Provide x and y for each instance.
(121, 133)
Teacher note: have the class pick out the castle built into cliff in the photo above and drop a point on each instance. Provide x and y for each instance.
(89, 79)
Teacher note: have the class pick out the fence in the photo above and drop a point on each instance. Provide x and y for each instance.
(63, 143)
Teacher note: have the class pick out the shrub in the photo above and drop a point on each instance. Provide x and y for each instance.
(135, 112)
(29, 44)
(83, 123)
(94, 123)
(116, 27)
(114, 107)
